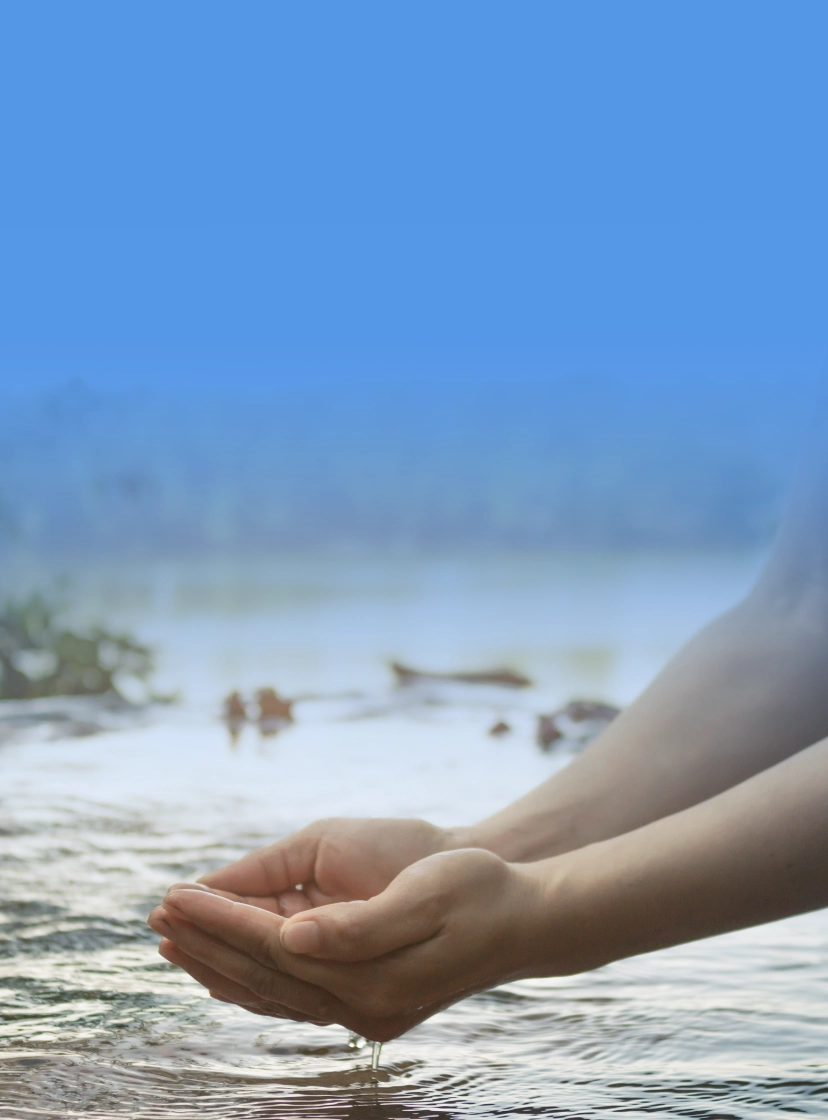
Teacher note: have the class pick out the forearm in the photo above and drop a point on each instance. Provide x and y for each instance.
(746, 692)
(455, 923)
(756, 853)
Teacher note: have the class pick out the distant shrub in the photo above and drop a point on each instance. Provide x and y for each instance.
(40, 657)
(580, 462)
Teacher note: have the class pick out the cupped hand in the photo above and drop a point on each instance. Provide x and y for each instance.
(448, 925)
(332, 860)
(335, 860)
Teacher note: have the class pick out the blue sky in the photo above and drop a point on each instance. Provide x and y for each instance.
(206, 201)
(235, 191)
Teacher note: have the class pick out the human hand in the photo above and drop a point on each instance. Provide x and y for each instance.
(334, 860)
(449, 925)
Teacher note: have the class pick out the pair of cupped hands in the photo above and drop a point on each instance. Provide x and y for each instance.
(373, 924)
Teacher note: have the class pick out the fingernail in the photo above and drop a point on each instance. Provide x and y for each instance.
(158, 921)
(166, 949)
(301, 937)
(176, 895)
(182, 899)
(188, 887)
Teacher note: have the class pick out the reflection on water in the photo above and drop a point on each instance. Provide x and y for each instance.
(93, 1023)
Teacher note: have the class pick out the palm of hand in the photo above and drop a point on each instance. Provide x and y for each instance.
(340, 860)
(441, 931)
(345, 869)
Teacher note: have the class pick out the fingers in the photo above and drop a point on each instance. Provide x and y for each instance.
(371, 998)
(286, 904)
(401, 915)
(219, 986)
(216, 984)
(228, 991)
(289, 903)
(239, 925)
(252, 971)
(268, 871)
(235, 978)
(242, 943)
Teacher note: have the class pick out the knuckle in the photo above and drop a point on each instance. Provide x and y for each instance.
(343, 930)
(271, 945)
(291, 999)
(472, 867)
(490, 866)
(257, 980)
(263, 983)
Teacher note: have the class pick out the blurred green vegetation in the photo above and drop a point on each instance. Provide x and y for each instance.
(41, 657)
(577, 462)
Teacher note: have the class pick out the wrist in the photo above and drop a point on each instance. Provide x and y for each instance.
(569, 915)
(528, 839)
(448, 839)
(453, 839)
(479, 836)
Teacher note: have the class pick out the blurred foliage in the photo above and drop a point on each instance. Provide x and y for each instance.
(39, 657)
(583, 462)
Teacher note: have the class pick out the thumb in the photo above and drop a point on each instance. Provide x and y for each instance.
(403, 914)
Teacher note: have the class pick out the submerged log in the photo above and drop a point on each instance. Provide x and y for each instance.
(507, 678)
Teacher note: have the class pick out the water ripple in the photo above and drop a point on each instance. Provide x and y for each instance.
(93, 1024)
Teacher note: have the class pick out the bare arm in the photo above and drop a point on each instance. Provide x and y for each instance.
(748, 691)
(753, 854)
(458, 922)
(702, 809)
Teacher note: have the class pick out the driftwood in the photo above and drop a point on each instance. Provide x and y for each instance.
(507, 678)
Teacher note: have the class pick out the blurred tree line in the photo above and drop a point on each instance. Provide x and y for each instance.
(581, 462)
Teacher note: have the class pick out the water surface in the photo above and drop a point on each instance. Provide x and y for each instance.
(93, 1023)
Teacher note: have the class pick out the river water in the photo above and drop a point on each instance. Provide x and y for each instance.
(93, 1023)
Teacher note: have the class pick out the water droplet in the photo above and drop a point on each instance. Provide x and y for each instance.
(376, 1050)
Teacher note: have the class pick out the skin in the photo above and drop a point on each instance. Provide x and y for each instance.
(702, 809)
(465, 920)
